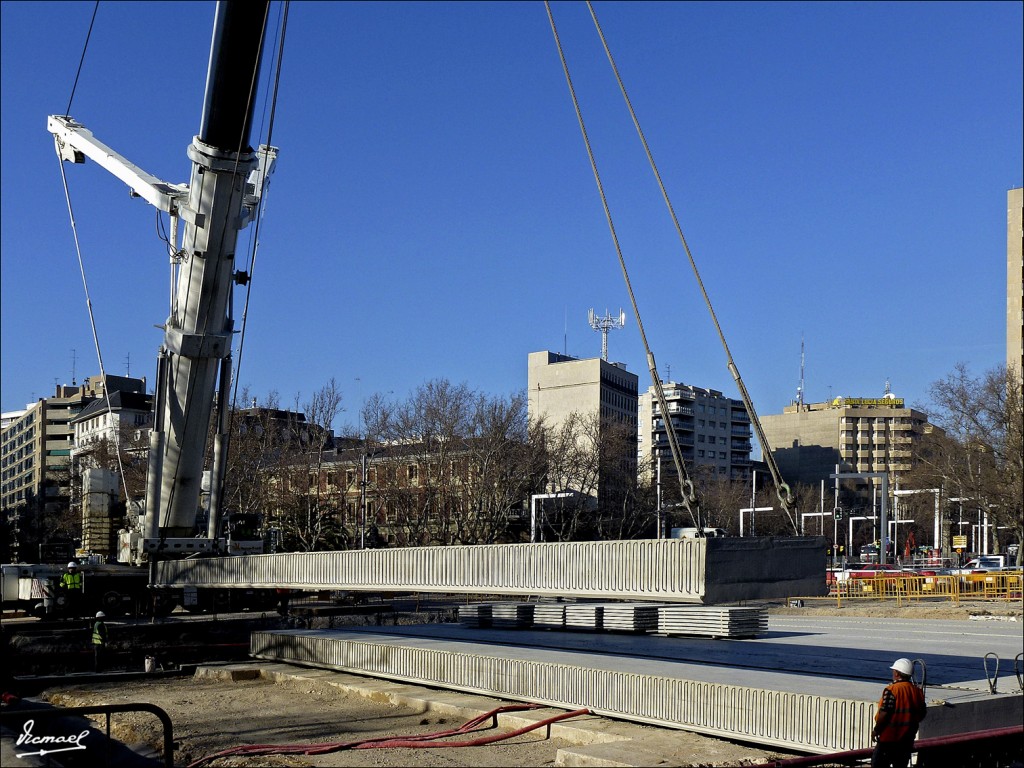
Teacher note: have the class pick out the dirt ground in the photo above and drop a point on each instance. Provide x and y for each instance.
(313, 707)
(211, 714)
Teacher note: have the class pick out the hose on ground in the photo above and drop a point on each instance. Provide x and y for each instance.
(421, 741)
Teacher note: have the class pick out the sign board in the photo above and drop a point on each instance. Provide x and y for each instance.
(868, 402)
(959, 542)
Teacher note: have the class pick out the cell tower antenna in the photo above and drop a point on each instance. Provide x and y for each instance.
(605, 324)
(800, 389)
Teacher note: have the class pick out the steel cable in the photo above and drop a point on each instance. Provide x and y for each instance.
(689, 498)
(782, 489)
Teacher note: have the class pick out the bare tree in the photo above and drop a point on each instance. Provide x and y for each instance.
(308, 513)
(980, 450)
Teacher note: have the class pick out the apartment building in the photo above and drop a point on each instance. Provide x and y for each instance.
(712, 431)
(35, 455)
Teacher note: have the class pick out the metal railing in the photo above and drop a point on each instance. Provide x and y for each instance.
(1001, 585)
(22, 717)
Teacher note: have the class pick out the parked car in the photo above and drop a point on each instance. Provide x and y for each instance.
(863, 571)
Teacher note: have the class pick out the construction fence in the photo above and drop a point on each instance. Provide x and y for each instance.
(999, 585)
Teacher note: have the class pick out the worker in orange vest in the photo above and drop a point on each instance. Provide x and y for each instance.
(900, 711)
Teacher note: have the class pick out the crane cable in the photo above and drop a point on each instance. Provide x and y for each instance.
(782, 490)
(81, 266)
(259, 217)
(689, 496)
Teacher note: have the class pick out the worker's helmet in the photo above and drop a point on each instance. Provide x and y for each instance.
(72, 564)
(903, 666)
(100, 615)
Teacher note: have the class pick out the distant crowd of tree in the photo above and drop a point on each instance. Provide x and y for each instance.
(449, 464)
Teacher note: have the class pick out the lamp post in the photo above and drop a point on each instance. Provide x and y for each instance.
(884, 527)
(752, 510)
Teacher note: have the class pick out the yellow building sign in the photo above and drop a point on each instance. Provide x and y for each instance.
(868, 402)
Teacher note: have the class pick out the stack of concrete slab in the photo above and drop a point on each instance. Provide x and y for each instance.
(712, 621)
(475, 615)
(518, 615)
(631, 617)
(584, 616)
(549, 616)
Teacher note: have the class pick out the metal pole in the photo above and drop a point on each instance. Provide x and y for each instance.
(660, 524)
(362, 499)
(533, 519)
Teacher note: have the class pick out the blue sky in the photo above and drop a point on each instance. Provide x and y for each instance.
(839, 169)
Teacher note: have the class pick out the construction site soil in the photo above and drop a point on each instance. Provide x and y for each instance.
(226, 706)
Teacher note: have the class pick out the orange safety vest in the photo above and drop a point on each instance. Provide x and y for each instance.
(900, 723)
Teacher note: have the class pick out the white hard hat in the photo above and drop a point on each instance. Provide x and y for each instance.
(903, 666)
(100, 615)
(72, 564)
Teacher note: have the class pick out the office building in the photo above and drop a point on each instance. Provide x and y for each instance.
(560, 386)
(861, 435)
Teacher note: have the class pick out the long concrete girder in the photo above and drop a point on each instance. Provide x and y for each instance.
(808, 684)
(706, 571)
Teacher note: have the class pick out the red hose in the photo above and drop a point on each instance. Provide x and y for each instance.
(419, 741)
(852, 755)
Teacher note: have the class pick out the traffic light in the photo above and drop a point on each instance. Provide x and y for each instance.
(838, 512)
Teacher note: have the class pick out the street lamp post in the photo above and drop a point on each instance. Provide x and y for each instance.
(884, 527)
(752, 510)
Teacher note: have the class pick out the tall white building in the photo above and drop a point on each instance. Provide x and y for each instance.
(559, 386)
(712, 431)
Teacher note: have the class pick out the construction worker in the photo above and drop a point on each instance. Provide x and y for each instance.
(99, 640)
(900, 711)
(71, 589)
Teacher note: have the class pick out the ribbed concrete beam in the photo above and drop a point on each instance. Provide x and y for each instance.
(705, 571)
(784, 691)
(800, 721)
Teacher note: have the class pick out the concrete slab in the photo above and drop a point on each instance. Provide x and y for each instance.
(808, 685)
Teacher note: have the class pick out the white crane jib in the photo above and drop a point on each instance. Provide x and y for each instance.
(226, 183)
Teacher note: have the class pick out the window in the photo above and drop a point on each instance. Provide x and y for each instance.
(711, 438)
(700, 453)
(413, 473)
(721, 454)
(700, 438)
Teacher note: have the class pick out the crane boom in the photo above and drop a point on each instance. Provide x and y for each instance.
(216, 204)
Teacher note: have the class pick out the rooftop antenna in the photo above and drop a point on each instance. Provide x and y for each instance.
(668, 372)
(888, 389)
(800, 389)
(73, 361)
(128, 365)
(605, 324)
